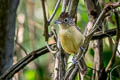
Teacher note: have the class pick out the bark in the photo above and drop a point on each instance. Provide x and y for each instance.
(7, 31)
(98, 58)
(59, 69)
(93, 9)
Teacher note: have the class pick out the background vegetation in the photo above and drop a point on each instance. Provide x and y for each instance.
(29, 37)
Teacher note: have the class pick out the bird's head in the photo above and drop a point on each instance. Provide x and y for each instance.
(64, 21)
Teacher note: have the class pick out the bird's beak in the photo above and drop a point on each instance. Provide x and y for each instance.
(57, 22)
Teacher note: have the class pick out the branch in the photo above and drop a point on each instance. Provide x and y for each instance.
(60, 62)
(54, 12)
(21, 47)
(65, 3)
(69, 71)
(45, 21)
(73, 7)
(54, 34)
(74, 73)
(101, 35)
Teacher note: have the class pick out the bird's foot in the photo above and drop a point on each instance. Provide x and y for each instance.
(74, 60)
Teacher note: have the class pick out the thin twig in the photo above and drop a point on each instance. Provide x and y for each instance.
(64, 5)
(67, 74)
(96, 22)
(118, 52)
(74, 72)
(54, 12)
(107, 33)
(45, 21)
(21, 47)
(72, 8)
(112, 71)
(50, 49)
(54, 34)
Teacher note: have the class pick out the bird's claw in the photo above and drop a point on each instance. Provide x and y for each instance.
(74, 60)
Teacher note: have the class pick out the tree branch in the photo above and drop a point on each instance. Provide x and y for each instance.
(21, 47)
(64, 5)
(73, 7)
(45, 20)
(54, 12)
(107, 33)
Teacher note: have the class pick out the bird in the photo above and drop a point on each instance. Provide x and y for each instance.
(70, 36)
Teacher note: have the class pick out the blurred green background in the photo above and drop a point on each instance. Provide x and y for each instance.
(29, 33)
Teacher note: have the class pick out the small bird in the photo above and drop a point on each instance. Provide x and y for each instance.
(70, 36)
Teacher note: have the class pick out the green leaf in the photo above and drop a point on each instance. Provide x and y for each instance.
(30, 75)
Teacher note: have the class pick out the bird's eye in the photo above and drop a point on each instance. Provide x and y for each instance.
(66, 20)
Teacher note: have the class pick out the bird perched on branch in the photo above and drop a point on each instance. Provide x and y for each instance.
(70, 36)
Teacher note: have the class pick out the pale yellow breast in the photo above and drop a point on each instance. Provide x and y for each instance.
(71, 39)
